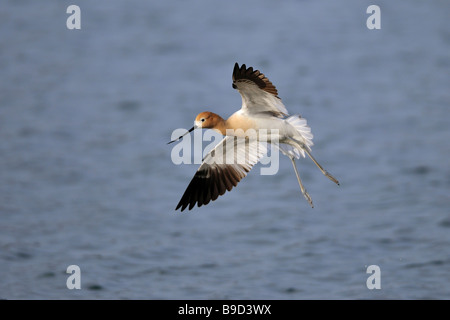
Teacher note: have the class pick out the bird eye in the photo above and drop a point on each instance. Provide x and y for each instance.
(202, 120)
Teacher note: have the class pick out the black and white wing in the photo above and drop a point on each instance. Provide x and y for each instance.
(221, 170)
(259, 95)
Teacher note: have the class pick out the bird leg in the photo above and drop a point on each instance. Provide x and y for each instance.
(325, 172)
(302, 188)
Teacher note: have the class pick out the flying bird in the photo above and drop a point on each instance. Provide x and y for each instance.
(262, 111)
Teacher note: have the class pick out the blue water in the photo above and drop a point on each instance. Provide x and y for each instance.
(86, 176)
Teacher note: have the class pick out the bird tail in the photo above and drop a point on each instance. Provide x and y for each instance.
(301, 126)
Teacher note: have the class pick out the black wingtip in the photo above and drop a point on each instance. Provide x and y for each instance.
(235, 70)
(234, 75)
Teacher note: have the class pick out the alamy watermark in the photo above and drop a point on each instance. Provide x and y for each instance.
(374, 280)
(74, 20)
(245, 147)
(374, 20)
(74, 280)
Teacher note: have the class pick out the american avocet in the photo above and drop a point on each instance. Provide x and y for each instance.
(261, 109)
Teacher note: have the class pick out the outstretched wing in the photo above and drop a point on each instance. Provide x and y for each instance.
(221, 170)
(259, 95)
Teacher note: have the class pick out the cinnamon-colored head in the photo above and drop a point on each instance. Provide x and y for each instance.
(207, 120)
